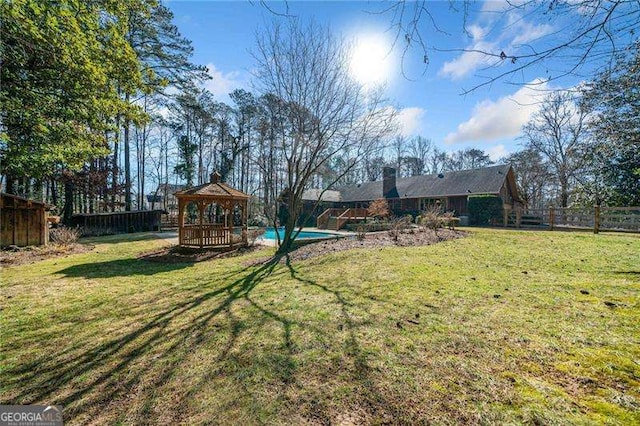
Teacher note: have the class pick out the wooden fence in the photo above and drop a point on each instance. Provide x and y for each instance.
(596, 218)
(118, 222)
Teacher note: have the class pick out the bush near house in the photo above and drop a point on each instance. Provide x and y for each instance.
(368, 227)
(484, 209)
(379, 209)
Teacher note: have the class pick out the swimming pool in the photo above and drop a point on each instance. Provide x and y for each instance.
(270, 234)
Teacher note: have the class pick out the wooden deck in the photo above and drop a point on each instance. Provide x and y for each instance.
(336, 219)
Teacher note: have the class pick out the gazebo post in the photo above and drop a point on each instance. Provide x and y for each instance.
(201, 210)
(245, 214)
(230, 224)
(180, 221)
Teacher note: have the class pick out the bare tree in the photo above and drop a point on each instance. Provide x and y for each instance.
(419, 149)
(399, 147)
(582, 32)
(466, 159)
(532, 176)
(327, 111)
(558, 133)
(437, 160)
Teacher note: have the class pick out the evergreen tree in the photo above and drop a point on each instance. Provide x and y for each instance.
(186, 166)
(64, 66)
(613, 99)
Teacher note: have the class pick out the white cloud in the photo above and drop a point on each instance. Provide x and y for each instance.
(510, 36)
(503, 118)
(477, 32)
(528, 32)
(221, 83)
(497, 152)
(469, 61)
(410, 121)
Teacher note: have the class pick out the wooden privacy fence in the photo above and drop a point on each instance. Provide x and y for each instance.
(596, 218)
(118, 222)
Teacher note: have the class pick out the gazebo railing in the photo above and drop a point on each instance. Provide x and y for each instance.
(208, 235)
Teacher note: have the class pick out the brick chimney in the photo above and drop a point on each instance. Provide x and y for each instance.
(389, 189)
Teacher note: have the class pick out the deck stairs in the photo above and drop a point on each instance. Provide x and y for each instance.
(336, 219)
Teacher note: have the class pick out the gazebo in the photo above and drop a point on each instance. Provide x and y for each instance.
(212, 215)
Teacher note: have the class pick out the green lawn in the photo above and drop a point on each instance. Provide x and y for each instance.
(499, 327)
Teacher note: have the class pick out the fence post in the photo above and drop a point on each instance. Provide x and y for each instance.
(551, 217)
(596, 219)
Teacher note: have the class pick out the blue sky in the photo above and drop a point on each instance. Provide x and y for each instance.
(430, 104)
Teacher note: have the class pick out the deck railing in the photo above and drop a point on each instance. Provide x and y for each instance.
(349, 215)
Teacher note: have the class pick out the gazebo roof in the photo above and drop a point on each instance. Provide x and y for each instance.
(213, 190)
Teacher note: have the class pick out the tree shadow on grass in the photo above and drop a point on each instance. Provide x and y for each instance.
(42, 377)
(121, 238)
(371, 398)
(120, 268)
(87, 376)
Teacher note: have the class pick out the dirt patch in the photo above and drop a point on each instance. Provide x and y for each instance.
(177, 254)
(410, 238)
(14, 256)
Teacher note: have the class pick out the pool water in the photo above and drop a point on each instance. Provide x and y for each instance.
(270, 234)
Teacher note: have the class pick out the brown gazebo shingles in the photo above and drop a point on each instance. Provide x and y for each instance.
(218, 234)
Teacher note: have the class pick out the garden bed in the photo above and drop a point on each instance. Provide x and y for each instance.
(408, 238)
(12, 256)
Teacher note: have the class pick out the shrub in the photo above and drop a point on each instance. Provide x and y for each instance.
(360, 233)
(398, 225)
(379, 209)
(431, 218)
(64, 235)
(253, 235)
(368, 227)
(484, 209)
(449, 220)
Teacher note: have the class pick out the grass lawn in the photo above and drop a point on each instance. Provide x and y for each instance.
(499, 327)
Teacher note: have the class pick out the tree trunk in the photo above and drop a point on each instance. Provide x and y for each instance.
(114, 172)
(564, 192)
(127, 165)
(67, 211)
(10, 186)
(54, 191)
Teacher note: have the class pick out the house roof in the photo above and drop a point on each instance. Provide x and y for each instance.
(315, 194)
(487, 180)
(171, 188)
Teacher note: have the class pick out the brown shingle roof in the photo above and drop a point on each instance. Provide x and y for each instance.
(215, 190)
(328, 195)
(487, 180)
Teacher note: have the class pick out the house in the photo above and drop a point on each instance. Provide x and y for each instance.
(412, 195)
(163, 198)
